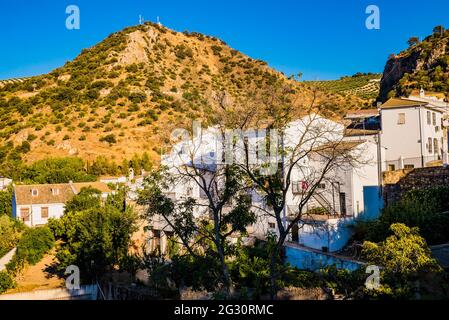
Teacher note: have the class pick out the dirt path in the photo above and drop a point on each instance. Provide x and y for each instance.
(37, 278)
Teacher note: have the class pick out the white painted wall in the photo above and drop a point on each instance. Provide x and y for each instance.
(4, 183)
(404, 140)
(55, 210)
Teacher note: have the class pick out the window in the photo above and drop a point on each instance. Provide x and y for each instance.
(391, 167)
(435, 145)
(401, 118)
(321, 186)
(271, 225)
(343, 203)
(54, 191)
(299, 187)
(25, 214)
(409, 166)
(434, 118)
(34, 192)
(429, 145)
(428, 117)
(44, 212)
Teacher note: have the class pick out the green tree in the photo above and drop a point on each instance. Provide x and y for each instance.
(413, 41)
(438, 31)
(6, 202)
(10, 231)
(57, 170)
(404, 257)
(96, 239)
(226, 214)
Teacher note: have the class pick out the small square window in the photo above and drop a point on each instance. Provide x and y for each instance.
(401, 118)
(271, 225)
(34, 192)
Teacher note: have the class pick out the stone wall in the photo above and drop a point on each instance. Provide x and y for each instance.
(419, 178)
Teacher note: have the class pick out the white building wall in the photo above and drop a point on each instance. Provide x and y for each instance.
(55, 210)
(401, 139)
(406, 143)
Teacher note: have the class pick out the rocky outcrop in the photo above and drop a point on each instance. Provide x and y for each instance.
(419, 62)
(394, 70)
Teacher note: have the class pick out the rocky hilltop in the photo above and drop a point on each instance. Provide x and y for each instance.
(422, 65)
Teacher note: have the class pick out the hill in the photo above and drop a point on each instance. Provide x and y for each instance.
(363, 85)
(423, 64)
(125, 95)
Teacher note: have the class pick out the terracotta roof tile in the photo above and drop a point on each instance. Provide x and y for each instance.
(44, 193)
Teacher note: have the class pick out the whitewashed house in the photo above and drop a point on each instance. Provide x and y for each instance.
(4, 183)
(412, 133)
(347, 194)
(35, 204)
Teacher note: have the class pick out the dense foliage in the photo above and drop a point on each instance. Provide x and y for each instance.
(10, 231)
(6, 202)
(426, 209)
(6, 281)
(405, 260)
(34, 243)
(96, 237)
(57, 170)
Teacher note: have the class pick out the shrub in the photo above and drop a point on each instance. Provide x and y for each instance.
(181, 52)
(6, 281)
(424, 209)
(110, 138)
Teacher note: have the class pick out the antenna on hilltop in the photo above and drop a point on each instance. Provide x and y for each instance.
(159, 21)
(140, 19)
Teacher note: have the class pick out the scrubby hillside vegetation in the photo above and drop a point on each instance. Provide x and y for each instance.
(126, 94)
(424, 64)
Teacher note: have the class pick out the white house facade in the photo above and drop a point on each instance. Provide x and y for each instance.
(35, 204)
(348, 193)
(412, 134)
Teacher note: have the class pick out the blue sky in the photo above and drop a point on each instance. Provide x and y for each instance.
(321, 39)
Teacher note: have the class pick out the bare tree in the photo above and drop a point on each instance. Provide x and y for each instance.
(310, 149)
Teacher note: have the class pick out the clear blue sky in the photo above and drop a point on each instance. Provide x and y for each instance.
(322, 39)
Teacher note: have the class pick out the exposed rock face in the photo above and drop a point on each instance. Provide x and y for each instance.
(394, 70)
(422, 65)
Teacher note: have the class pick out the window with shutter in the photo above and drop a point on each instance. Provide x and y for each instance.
(44, 212)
